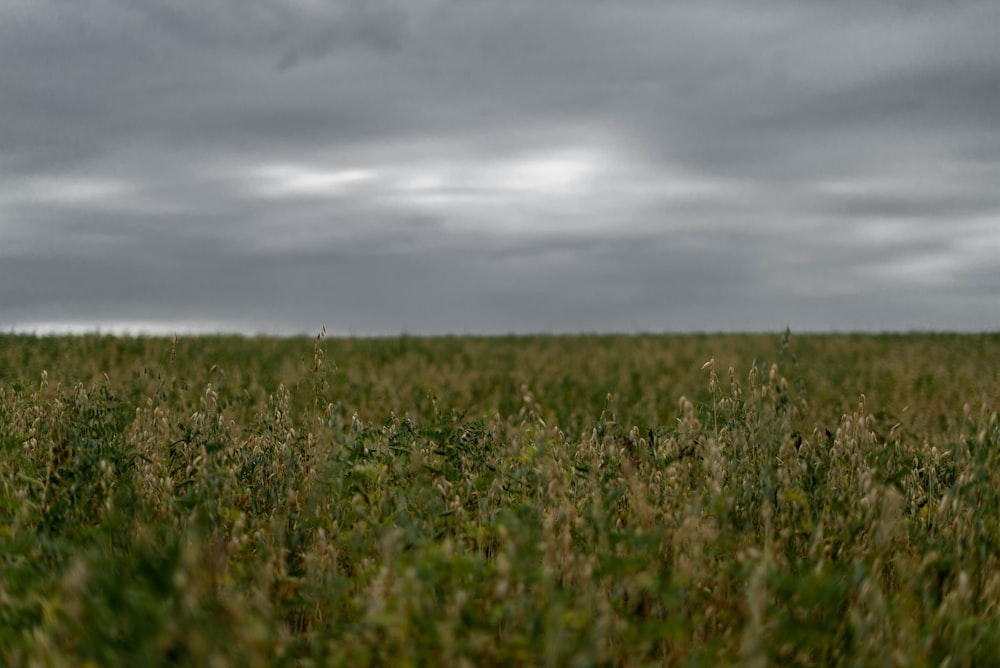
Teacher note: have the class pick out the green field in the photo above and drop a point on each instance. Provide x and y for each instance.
(620, 500)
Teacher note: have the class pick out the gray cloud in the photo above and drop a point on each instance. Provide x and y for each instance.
(438, 166)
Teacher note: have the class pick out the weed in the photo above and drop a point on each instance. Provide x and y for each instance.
(560, 501)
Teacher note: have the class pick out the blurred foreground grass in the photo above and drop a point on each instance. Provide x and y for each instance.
(678, 500)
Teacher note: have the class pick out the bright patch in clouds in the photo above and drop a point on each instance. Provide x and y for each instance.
(554, 173)
(555, 189)
(511, 183)
(557, 173)
(308, 181)
(519, 191)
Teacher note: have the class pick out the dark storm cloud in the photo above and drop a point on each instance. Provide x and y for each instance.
(430, 165)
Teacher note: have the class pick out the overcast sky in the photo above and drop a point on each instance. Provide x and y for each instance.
(474, 166)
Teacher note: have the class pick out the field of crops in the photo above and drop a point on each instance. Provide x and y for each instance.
(629, 500)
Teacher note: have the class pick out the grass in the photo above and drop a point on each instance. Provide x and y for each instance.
(655, 500)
